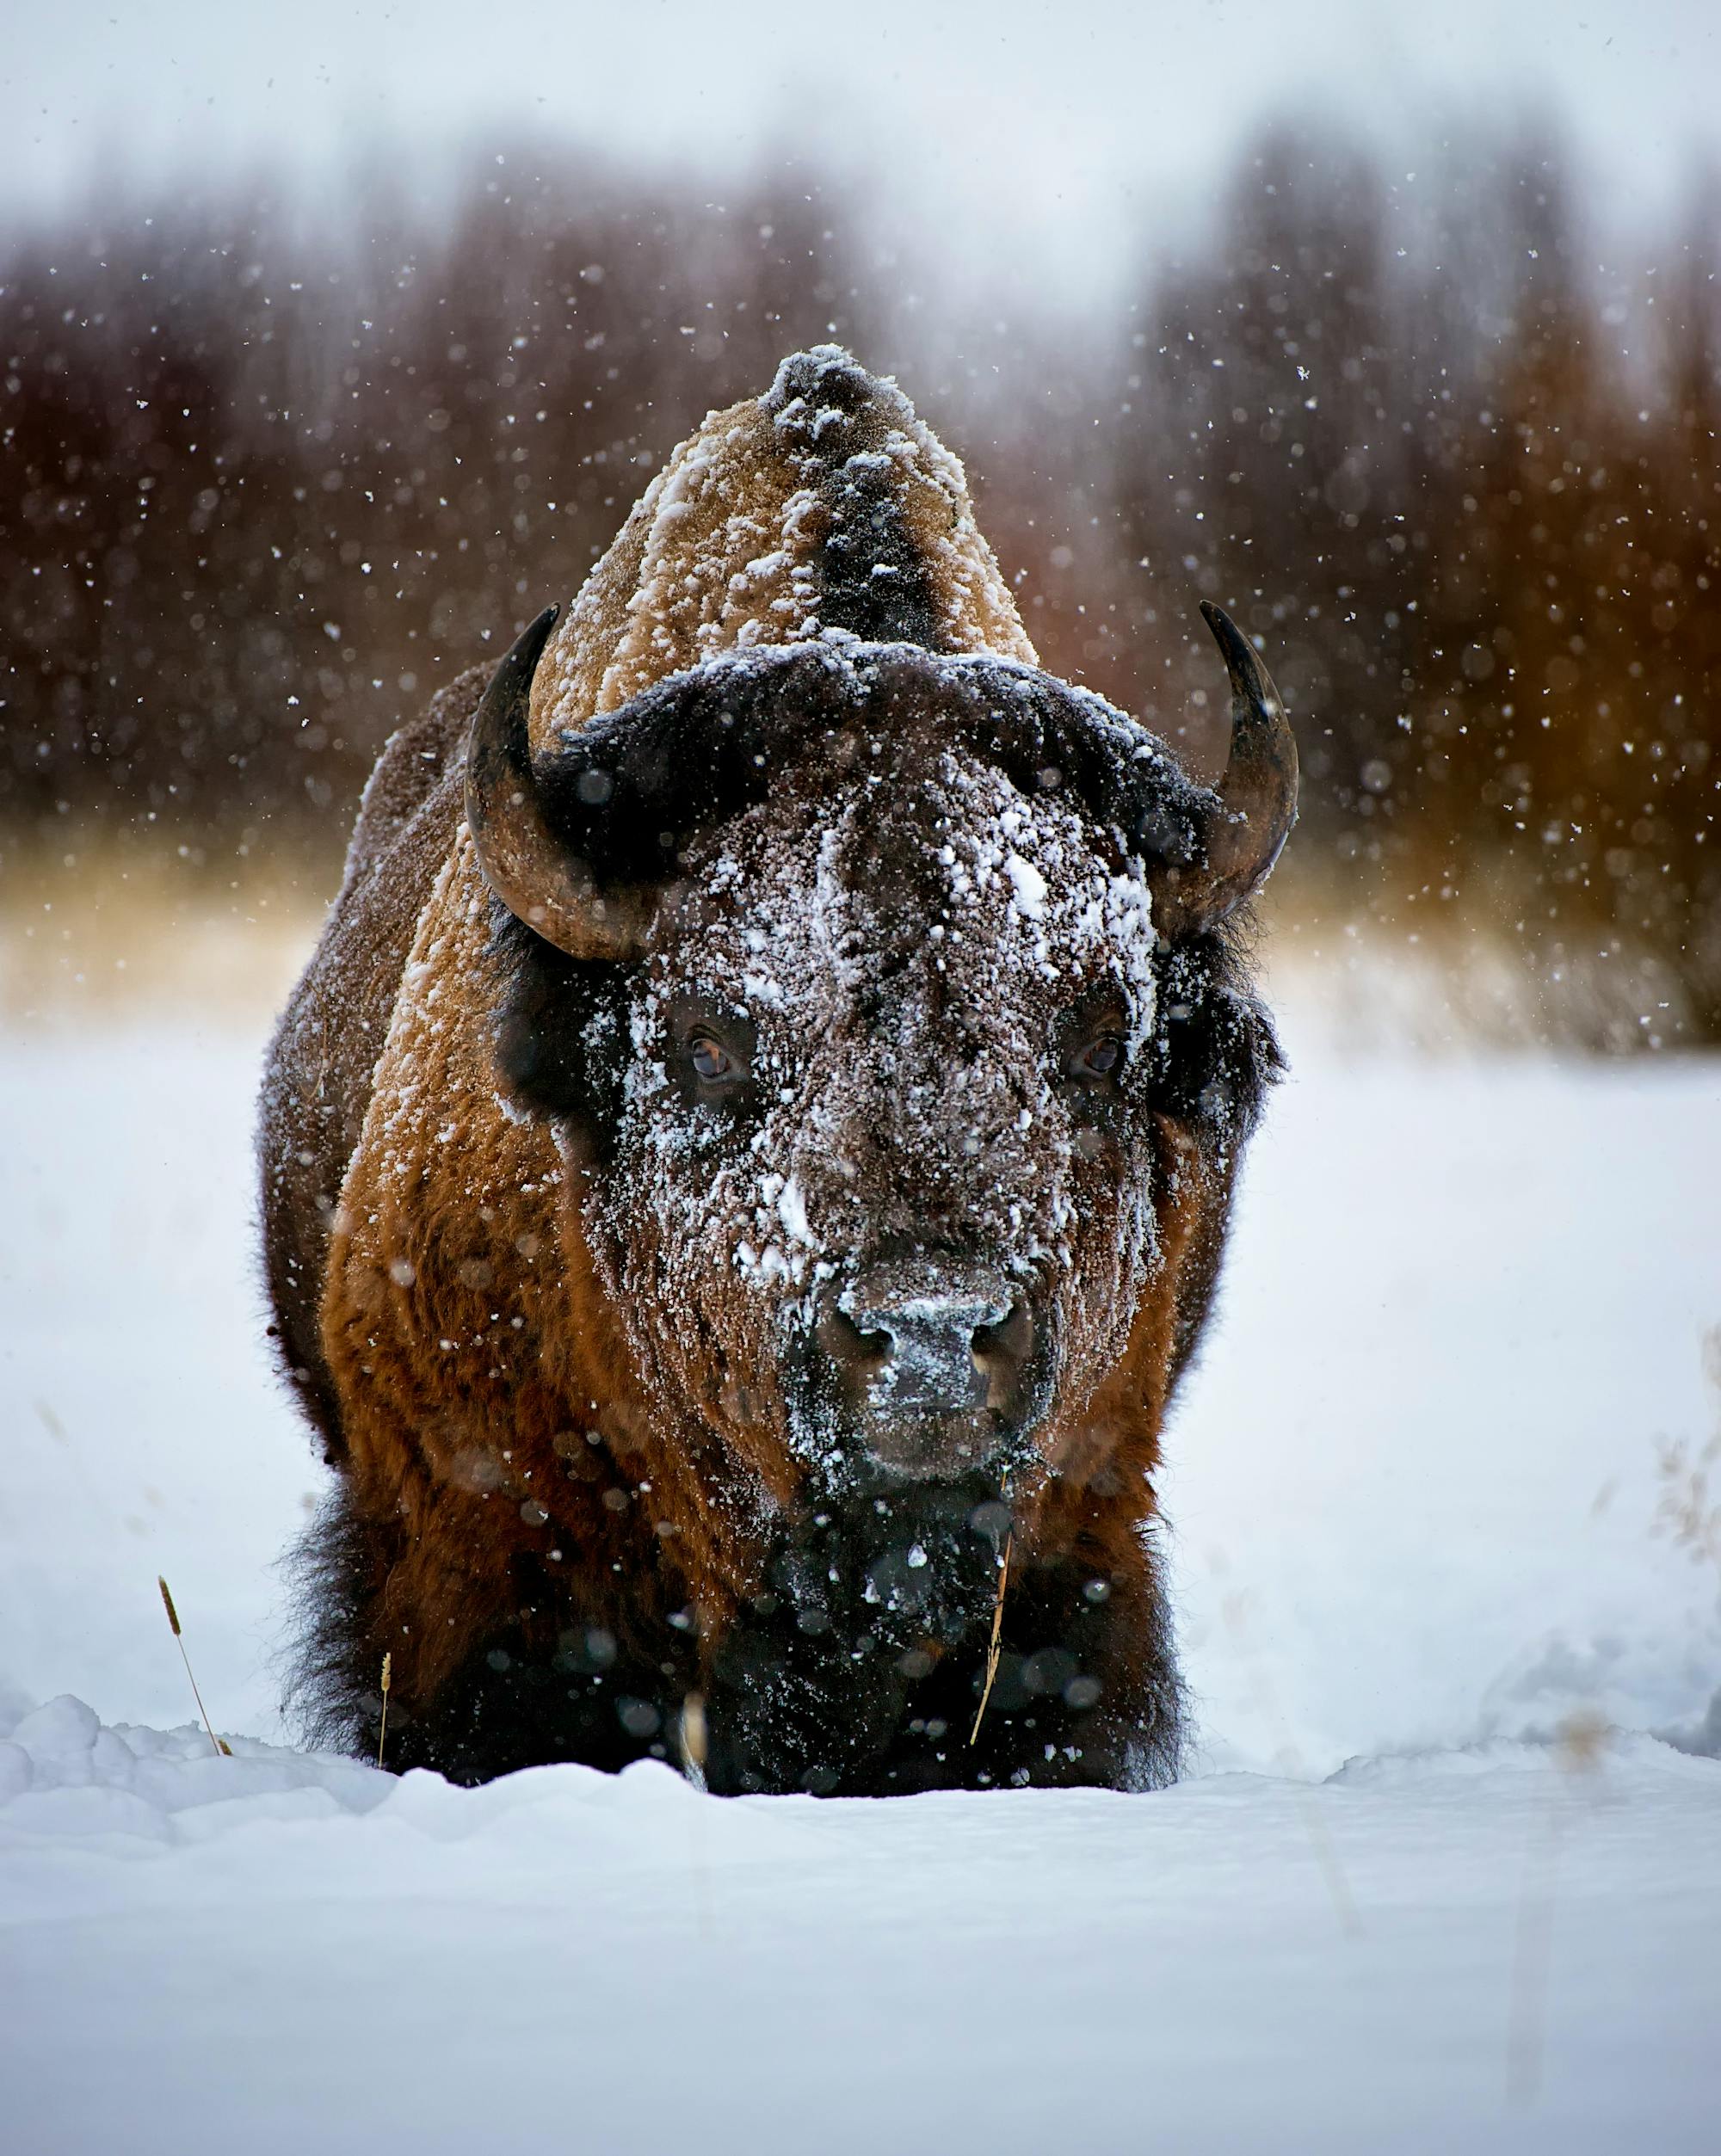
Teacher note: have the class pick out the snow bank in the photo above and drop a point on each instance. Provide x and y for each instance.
(255, 1953)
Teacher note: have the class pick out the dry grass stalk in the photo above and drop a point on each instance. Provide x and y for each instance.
(695, 1742)
(695, 1738)
(382, 1727)
(1581, 1740)
(1689, 1512)
(1326, 1854)
(992, 1645)
(223, 1749)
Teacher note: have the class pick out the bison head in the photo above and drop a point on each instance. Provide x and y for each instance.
(847, 988)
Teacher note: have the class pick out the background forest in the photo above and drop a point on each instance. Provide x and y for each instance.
(271, 479)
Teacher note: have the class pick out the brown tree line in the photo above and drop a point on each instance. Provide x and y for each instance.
(265, 488)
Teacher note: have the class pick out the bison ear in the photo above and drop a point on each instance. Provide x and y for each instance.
(1243, 823)
(539, 878)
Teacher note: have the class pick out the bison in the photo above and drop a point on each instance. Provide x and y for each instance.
(749, 1160)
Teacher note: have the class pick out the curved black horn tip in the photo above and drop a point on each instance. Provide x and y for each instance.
(1244, 666)
(528, 646)
(498, 740)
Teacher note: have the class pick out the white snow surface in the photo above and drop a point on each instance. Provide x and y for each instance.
(1412, 1489)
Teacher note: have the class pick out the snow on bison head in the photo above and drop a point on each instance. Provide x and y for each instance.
(873, 1110)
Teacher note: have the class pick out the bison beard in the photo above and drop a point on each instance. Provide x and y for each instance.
(780, 1146)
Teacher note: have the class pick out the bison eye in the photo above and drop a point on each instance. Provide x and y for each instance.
(1099, 1058)
(712, 1062)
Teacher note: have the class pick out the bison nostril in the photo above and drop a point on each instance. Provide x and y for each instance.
(847, 1343)
(1007, 1341)
(1001, 1352)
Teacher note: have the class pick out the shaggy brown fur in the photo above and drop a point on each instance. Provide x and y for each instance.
(573, 1487)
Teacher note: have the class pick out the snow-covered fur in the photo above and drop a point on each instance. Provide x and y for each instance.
(568, 1319)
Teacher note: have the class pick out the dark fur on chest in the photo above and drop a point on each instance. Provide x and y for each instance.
(857, 1670)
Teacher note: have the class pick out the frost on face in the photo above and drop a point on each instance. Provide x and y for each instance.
(901, 961)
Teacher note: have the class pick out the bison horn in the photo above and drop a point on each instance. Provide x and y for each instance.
(539, 880)
(1255, 803)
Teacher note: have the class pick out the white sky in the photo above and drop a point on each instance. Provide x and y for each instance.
(1041, 129)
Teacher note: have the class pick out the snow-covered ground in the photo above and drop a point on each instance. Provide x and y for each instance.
(1413, 1487)
(270, 1953)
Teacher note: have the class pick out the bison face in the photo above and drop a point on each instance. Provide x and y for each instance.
(857, 1042)
(879, 1174)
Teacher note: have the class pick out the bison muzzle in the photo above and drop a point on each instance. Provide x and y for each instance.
(753, 1149)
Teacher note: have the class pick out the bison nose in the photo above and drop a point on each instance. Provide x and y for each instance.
(928, 1346)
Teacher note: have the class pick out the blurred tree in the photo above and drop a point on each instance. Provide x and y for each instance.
(269, 486)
